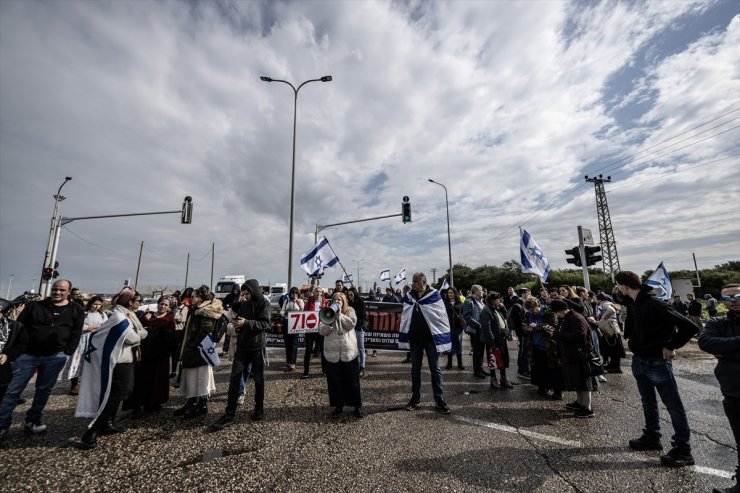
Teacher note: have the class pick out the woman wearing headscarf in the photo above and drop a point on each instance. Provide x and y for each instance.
(102, 390)
(197, 381)
(493, 332)
(574, 335)
(612, 348)
(342, 365)
(151, 379)
(181, 316)
(542, 349)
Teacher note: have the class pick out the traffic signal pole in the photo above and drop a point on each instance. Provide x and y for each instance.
(584, 264)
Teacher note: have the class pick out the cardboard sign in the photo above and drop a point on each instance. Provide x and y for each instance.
(303, 322)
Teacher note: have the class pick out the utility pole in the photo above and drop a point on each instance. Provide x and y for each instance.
(434, 275)
(606, 233)
(187, 268)
(138, 266)
(213, 255)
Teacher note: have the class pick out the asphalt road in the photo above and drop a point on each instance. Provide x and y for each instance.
(508, 441)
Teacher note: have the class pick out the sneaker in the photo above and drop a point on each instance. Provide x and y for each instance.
(222, 423)
(646, 442)
(678, 456)
(601, 378)
(573, 406)
(34, 427)
(412, 405)
(362, 372)
(524, 376)
(584, 413)
(442, 407)
(240, 400)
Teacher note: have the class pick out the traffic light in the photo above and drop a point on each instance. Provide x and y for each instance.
(47, 273)
(575, 252)
(591, 258)
(187, 210)
(406, 210)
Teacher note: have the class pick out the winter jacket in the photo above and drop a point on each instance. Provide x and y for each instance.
(539, 336)
(359, 306)
(652, 325)
(492, 327)
(13, 339)
(471, 313)
(721, 337)
(340, 340)
(454, 315)
(574, 334)
(52, 329)
(200, 323)
(257, 312)
(608, 319)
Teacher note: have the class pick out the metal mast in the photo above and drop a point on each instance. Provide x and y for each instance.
(606, 233)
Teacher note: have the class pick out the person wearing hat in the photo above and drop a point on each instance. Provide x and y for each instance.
(13, 341)
(612, 348)
(574, 336)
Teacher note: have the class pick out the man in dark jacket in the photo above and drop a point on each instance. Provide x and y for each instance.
(680, 306)
(251, 322)
(721, 337)
(655, 330)
(54, 328)
(13, 342)
(694, 310)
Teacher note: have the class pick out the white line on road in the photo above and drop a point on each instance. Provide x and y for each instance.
(713, 472)
(511, 429)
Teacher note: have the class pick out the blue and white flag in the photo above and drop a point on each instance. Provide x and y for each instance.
(445, 286)
(347, 279)
(385, 276)
(209, 351)
(400, 277)
(661, 282)
(435, 314)
(533, 259)
(320, 257)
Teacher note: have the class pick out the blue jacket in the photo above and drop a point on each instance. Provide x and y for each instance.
(471, 313)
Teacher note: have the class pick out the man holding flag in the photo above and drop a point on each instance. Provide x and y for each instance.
(425, 328)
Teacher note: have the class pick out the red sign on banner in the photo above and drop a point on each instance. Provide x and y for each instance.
(303, 322)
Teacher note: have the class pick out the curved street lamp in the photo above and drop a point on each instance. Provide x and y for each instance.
(449, 240)
(326, 78)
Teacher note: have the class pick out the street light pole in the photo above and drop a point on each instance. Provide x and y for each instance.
(44, 284)
(10, 282)
(449, 239)
(326, 78)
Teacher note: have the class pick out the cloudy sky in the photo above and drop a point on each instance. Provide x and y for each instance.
(509, 104)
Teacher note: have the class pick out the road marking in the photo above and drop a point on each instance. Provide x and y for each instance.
(713, 472)
(518, 431)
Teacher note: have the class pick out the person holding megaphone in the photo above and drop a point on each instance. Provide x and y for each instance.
(337, 326)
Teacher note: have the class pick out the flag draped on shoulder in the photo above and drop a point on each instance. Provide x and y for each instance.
(433, 309)
(320, 257)
(400, 277)
(661, 281)
(533, 259)
(101, 355)
(209, 351)
(385, 276)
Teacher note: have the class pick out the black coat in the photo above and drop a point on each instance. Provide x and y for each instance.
(14, 347)
(721, 337)
(52, 329)
(257, 313)
(574, 335)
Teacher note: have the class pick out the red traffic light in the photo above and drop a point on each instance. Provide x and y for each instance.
(47, 273)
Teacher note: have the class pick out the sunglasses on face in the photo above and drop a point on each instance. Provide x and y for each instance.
(730, 297)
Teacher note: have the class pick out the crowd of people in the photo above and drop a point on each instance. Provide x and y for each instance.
(567, 337)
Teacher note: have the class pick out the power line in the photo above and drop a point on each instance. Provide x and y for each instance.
(86, 241)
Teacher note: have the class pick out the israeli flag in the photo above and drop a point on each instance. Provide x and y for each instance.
(385, 276)
(208, 351)
(660, 281)
(400, 277)
(533, 259)
(320, 257)
(347, 279)
(445, 285)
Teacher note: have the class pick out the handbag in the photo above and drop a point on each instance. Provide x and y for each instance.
(591, 363)
(495, 358)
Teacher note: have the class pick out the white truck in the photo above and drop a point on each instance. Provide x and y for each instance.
(227, 283)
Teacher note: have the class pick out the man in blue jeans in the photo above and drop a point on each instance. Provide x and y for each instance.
(655, 330)
(54, 328)
(425, 328)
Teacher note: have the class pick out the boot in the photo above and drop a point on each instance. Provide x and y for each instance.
(259, 413)
(449, 362)
(74, 388)
(459, 362)
(188, 405)
(505, 381)
(89, 438)
(110, 428)
(200, 409)
(494, 380)
(259, 401)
